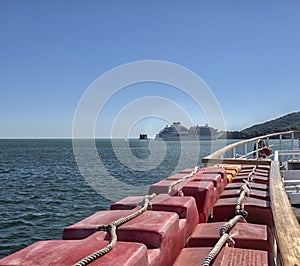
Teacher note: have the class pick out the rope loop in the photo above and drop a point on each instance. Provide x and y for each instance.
(104, 228)
(231, 242)
(242, 213)
(245, 181)
(250, 178)
(244, 192)
(113, 240)
(226, 227)
(245, 189)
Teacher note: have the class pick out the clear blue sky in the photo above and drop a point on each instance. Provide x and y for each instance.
(248, 52)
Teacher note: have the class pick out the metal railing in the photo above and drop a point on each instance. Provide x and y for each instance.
(249, 152)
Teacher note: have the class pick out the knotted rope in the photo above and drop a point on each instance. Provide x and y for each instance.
(226, 227)
(241, 214)
(182, 179)
(217, 248)
(224, 238)
(111, 228)
(239, 208)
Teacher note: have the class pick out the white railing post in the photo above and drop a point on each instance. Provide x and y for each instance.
(280, 146)
(292, 141)
(275, 155)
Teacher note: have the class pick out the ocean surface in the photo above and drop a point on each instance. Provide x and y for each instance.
(43, 190)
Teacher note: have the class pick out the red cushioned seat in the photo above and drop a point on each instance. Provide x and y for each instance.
(89, 225)
(185, 207)
(69, 252)
(254, 193)
(227, 256)
(245, 235)
(205, 195)
(258, 173)
(256, 186)
(216, 178)
(259, 211)
(188, 170)
(213, 170)
(255, 179)
(155, 229)
(249, 167)
(162, 187)
(177, 176)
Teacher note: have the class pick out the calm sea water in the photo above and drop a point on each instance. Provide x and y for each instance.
(43, 191)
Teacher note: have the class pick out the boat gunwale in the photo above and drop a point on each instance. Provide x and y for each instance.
(286, 226)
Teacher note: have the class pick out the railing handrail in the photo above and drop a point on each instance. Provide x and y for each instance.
(217, 155)
(285, 152)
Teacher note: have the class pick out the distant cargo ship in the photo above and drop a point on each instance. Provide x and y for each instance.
(178, 132)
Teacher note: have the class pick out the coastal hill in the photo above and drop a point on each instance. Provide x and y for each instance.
(285, 123)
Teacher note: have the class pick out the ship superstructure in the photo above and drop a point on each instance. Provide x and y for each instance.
(176, 131)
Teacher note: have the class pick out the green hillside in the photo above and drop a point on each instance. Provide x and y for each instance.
(284, 123)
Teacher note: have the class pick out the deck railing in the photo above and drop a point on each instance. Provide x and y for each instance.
(247, 151)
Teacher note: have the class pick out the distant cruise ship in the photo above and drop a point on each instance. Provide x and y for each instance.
(178, 132)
